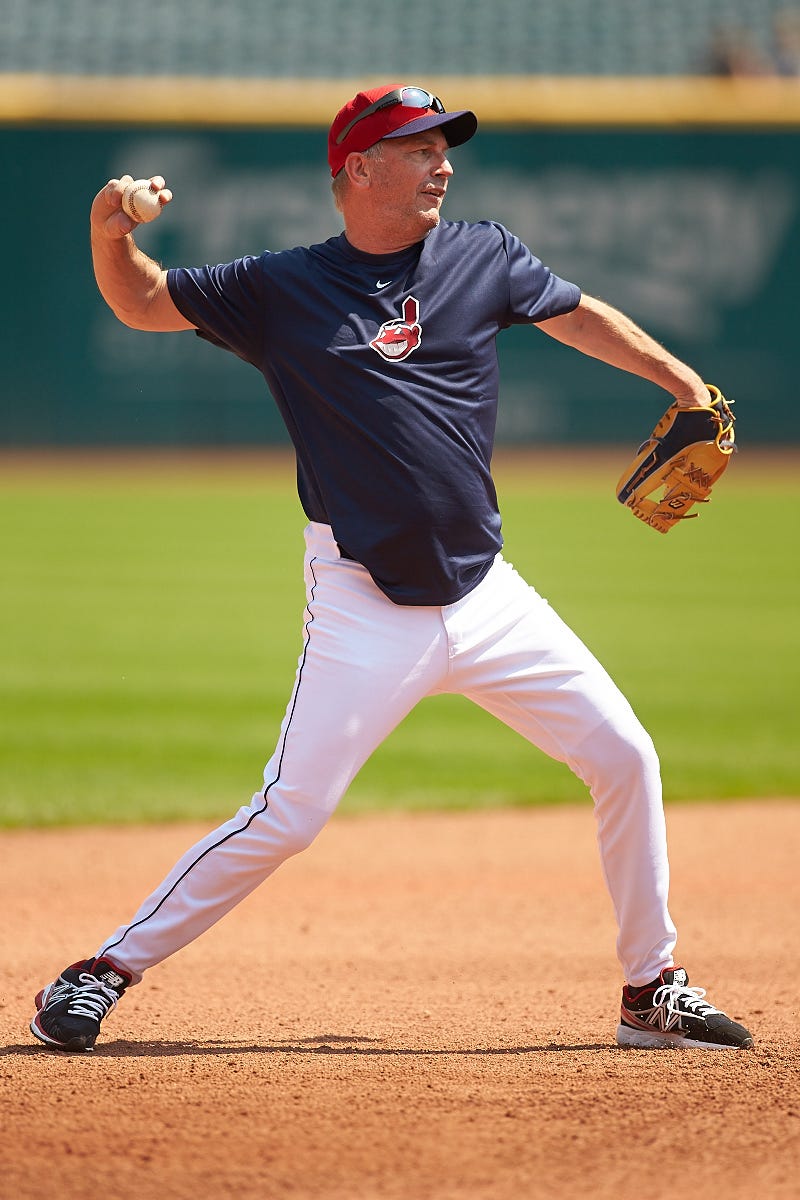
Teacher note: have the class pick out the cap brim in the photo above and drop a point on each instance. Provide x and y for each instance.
(457, 127)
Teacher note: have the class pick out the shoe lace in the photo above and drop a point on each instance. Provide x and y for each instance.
(93, 998)
(680, 999)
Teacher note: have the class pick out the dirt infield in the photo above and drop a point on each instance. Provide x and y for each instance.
(417, 1007)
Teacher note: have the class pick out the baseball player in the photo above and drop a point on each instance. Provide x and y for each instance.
(378, 347)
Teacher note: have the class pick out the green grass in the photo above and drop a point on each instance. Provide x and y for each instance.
(151, 622)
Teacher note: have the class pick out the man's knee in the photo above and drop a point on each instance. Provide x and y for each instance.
(636, 752)
(293, 823)
(623, 751)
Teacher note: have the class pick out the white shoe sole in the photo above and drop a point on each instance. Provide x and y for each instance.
(643, 1039)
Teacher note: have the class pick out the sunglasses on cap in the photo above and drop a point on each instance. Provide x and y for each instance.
(409, 97)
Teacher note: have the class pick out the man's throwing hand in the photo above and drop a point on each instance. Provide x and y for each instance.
(126, 202)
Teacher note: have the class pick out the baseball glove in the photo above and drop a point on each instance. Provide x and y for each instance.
(685, 455)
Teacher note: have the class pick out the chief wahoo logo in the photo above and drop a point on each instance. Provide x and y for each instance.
(397, 339)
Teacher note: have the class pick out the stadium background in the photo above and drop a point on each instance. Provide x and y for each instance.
(422, 1004)
(611, 144)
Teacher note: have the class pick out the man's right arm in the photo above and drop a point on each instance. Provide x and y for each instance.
(133, 286)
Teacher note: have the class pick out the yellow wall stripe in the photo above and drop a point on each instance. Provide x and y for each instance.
(518, 100)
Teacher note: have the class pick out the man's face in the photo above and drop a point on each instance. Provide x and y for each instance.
(409, 180)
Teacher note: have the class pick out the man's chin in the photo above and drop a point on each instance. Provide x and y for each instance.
(421, 223)
(429, 218)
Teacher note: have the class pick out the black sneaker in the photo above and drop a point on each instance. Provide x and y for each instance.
(70, 1009)
(667, 1012)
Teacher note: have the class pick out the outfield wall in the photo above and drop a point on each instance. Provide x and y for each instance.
(692, 228)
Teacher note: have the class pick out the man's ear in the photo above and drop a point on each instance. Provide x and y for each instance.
(358, 170)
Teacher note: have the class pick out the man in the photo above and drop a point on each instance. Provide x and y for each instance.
(379, 349)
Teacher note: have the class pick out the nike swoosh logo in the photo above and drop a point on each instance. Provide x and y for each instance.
(381, 284)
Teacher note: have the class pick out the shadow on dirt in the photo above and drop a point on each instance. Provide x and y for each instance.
(323, 1044)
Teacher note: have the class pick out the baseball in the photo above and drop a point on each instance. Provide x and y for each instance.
(140, 202)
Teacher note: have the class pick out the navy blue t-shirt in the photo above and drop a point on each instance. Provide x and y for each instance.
(384, 368)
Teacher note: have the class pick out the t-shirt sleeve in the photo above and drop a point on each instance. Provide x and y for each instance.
(535, 293)
(225, 303)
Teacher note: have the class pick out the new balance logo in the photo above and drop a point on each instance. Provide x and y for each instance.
(112, 979)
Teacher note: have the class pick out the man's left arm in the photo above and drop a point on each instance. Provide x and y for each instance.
(597, 329)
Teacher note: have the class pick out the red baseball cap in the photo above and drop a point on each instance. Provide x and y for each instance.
(390, 111)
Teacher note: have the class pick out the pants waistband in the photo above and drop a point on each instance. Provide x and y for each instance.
(320, 540)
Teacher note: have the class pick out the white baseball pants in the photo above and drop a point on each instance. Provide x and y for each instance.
(365, 663)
